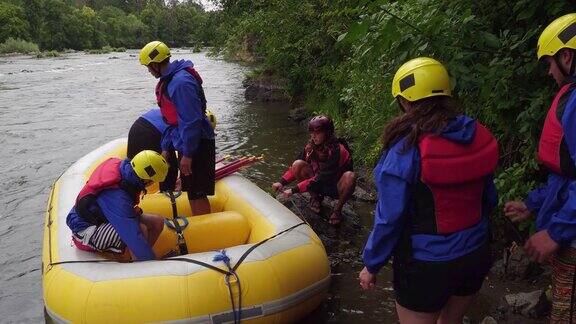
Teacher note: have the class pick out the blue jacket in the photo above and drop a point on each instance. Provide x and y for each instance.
(554, 202)
(193, 124)
(154, 117)
(117, 207)
(395, 175)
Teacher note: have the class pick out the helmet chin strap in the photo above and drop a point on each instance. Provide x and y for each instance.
(570, 72)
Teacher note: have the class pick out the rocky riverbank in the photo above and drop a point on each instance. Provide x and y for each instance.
(516, 290)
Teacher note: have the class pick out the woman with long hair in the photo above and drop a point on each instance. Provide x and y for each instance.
(435, 193)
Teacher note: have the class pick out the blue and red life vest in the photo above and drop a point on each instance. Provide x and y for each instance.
(166, 105)
(552, 149)
(448, 195)
(106, 176)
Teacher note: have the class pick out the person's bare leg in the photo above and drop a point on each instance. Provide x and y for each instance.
(301, 170)
(346, 186)
(154, 225)
(455, 308)
(407, 316)
(200, 206)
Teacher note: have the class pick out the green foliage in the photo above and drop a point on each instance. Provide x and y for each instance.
(13, 22)
(92, 24)
(12, 45)
(47, 54)
(341, 56)
(106, 49)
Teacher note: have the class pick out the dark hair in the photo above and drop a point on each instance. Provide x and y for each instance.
(428, 115)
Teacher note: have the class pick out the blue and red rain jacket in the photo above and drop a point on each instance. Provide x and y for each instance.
(440, 227)
(180, 90)
(555, 201)
(117, 206)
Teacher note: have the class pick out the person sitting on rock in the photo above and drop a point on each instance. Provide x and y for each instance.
(323, 168)
(106, 216)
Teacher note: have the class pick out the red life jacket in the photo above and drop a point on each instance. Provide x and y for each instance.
(552, 149)
(448, 196)
(317, 158)
(106, 176)
(167, 107)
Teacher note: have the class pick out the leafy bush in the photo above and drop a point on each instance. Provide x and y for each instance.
(106, 49)
(12, 45)
(47, 54)
(59, 24)
(341, 56)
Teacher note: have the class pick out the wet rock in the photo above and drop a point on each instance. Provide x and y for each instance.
(515, 264)
(352, 311)
(500, 312)
(299, 205)
(542, 308)
(533, 304)
(113, 58)
(362, 195)
(299, 114)
(266, 93)
(266, 87)
(488, 320)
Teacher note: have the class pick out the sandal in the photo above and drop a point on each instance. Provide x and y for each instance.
(335, 219)
(315, 205)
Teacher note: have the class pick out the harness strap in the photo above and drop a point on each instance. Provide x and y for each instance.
(177, 227)
(245, 255)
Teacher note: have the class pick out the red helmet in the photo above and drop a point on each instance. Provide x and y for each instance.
(321, 123)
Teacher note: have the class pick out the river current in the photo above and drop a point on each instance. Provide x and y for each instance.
(55, 110)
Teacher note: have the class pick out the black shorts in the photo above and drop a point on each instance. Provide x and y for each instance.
(200, 183)
(144, 136)
(330, 190)
(423, 286)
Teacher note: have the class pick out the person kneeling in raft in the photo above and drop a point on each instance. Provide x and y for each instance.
(106, 216)
(324, 168)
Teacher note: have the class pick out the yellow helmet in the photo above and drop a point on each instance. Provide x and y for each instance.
(149, 165)
(558, 35)
(211, 118)
(155, 51)
(421, 78)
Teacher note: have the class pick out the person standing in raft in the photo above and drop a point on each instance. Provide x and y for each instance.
(106, 216)
(323, 168)
(554, 202)
(182, 102)
(433, 222)
(146, 134)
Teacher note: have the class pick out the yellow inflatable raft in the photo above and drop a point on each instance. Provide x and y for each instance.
(278, 270)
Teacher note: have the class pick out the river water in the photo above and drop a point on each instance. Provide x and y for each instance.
(55, 110)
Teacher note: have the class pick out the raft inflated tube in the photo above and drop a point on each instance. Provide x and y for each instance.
(280, 280)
